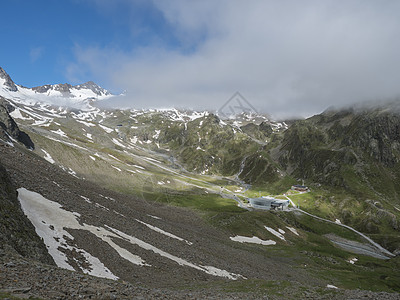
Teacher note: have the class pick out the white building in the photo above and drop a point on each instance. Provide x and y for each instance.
(268, 203)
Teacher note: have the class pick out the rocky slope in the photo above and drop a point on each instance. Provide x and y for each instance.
(17, 233)
(115, 177)
(354, 152)
(179, 261)
(22, 276)
(327, 147)
(9, 130)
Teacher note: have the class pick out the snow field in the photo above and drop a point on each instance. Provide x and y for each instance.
(51, 220)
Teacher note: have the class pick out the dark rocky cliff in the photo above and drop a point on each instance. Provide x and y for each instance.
(17, 234)
(9, 129)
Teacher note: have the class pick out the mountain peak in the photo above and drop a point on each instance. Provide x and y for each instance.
(90, 85)
(82, 91)
(10, 85)
(85, 90)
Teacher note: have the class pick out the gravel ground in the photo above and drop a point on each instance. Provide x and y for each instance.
(165, 279)
(24, 278)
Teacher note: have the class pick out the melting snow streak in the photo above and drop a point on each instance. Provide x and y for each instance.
(48, 157)
(51, 220)
(164, 232)
(274, 232)
(252, 240)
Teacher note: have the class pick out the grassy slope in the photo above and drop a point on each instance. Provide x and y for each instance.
(310, 249)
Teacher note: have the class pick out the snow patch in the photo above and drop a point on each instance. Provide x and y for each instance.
(86, 123)
(118, 143)
(69, 171)
(156, 229)
(101, 206)
(139, 167)
(106, 129)
(330, 286)
(119, 213)
(106, 197)
(86, 199)
(50, 221)
(293, 230)
(353, 260)
(118, 169)
(59, 132)
(207, 269)
(154, 217)
(57, 184)
(66, 143)
(157, 134)
(113, 157)
(48, 157)
(43, 213)
(252, 240)
(16, 114)
(274, 232)
(152, 159)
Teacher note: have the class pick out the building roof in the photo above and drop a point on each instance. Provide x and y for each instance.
(300, 186)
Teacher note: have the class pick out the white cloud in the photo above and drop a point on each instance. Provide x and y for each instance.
(36, 53)
(285, 57)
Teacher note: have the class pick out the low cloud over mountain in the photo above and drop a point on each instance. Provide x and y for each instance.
(287, 58)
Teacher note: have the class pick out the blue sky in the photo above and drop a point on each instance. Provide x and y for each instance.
(286, 57)
(39, 38)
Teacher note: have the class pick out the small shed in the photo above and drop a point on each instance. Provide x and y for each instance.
(300, 188)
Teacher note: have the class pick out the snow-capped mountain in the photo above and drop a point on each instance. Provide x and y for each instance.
(85, 90)
(6, 81)
(101, 189)
(58, 94)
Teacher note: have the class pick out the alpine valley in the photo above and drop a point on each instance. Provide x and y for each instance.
(122, 204)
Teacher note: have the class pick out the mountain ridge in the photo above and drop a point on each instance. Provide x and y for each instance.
(7, 80)
(57, 94)
(172, 186)
(66, 88)
(9, 129)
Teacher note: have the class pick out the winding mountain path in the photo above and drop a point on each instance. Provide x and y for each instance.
(382, 250)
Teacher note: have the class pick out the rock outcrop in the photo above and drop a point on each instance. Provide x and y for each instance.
(9, 129)
(9, 84)
(17, 233)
